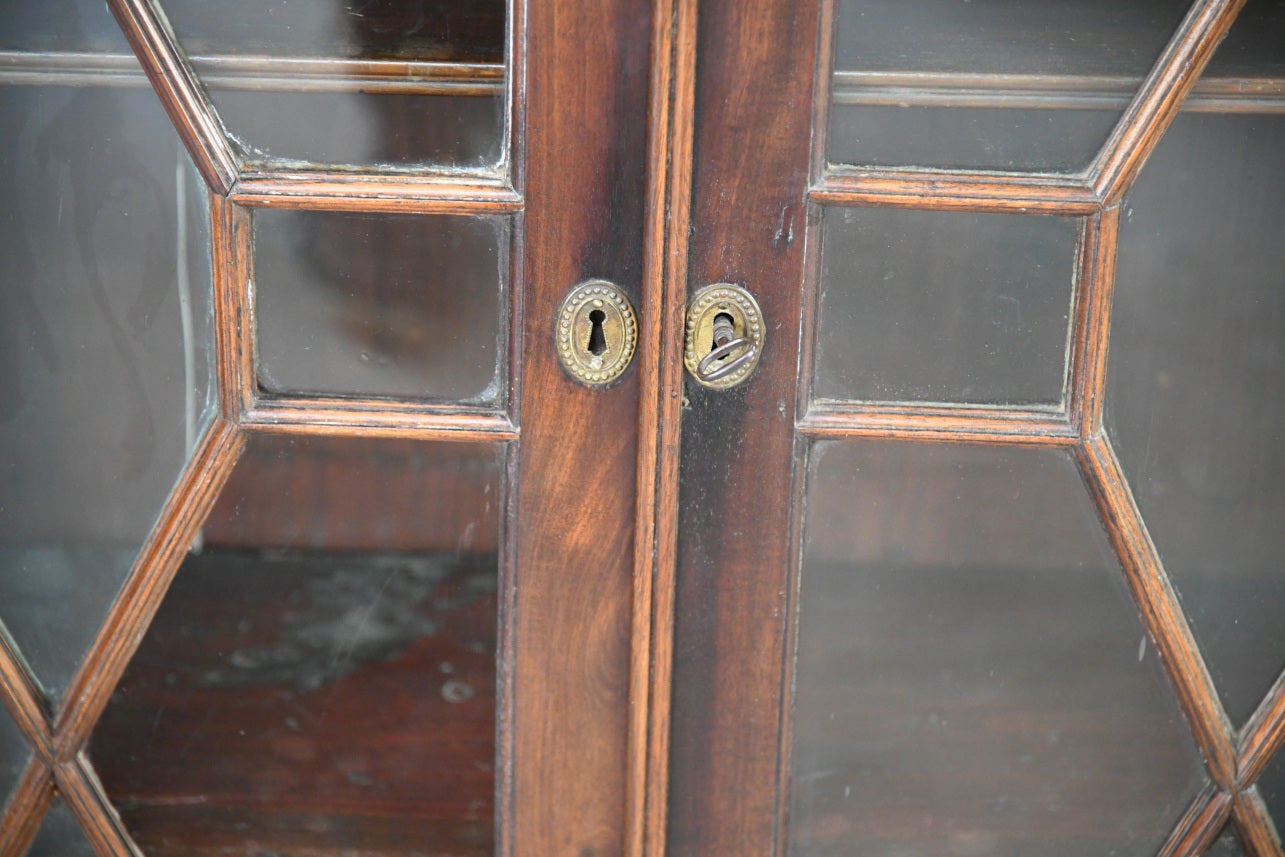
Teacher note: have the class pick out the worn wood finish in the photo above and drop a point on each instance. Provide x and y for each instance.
(1254, 824)
(669, 142)
(1161, 96)
(231, 233)
(179, 91)
(1158, 606)
(749, 208)
(24, 701)
(1199, 825)
(130, 614)
(937, 423)
(956, 191)
(585, 196)
(84, 796)
(335, 416)
(25, 809)
(389, 194)
(1095, 287)
(1263, 735)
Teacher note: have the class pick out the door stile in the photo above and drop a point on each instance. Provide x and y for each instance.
(575, 511)
(664, 282)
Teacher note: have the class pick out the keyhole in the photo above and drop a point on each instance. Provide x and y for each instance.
(724, 331)
(597, 339)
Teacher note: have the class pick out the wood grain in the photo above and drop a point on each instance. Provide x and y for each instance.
(1095, 288)
(376, 418)
(84, 796)
(27, 804)
(749, 211)
(231, 233)
(1160, 97)
(1262, 735)
(24, 700)
(141, 595)
(1200, 825)
(1159, 608)
(449, 193)
(1254, 824)
(586, 116)
(955, 191)
(179, 91)
(664, 280)
(937, 423)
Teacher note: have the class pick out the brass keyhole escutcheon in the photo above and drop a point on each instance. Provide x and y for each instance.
(725, 334)
(597, 333)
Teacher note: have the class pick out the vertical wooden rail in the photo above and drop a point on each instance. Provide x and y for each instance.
(669, 161)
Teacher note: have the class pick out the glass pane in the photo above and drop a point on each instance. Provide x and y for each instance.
(392, 83)
(972, 677)
(1196, 384)
(61, 25)
(932, 306)
(106, 345)
(1030, 85)
(14, 754)
(1271, 785)
(321, 678)
(381, 304)
(60, 835)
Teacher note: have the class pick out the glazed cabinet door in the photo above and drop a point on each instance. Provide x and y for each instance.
(308, 542)
(984, 557)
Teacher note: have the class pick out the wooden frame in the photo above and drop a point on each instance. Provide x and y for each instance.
(672, 235)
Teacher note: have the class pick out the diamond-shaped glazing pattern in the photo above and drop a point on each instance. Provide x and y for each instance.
(972, 676)
(106, 326)
(1196, 384)
(60, 835)
(391, 84)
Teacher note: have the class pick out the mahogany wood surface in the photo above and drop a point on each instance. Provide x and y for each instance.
(585, 161)
(749, 211)
(1095, 287)
(1264, 735)
(25, 809)
(1254, 824)
(669, 145)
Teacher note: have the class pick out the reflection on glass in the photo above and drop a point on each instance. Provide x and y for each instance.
(971, 674)
(106, 364)
(60, 835)
(1030, 85)
(14, 754)
(395, 83)
(321, 678)
(1271, 785)
(931, 306)
(380, 304)
(1196, 384)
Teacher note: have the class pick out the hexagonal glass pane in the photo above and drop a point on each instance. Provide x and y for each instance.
(14, 755)
(106, 342)
(388, 84)
(60, 835)
(972, 676)
(321, 678)
(1196, 382)
(1000, 86)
